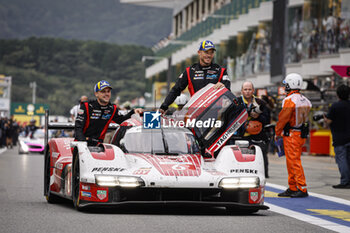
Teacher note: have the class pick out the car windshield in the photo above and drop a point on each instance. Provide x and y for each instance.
(160, 141)
(215, 111)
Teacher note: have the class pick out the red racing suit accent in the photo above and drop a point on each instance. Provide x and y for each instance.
(295, 111)
(196, 77)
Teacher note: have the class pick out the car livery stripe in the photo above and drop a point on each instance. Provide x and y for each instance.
(243, 158)
(183, 165)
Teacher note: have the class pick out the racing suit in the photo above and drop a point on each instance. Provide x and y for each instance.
(93, 120)
(196, 77)
(295, 111)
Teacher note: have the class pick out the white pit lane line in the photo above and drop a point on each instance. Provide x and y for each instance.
(307, 218)
(3, 150)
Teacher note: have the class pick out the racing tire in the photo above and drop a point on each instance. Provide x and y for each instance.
(76, 180)
(50, 197)
(235, 211)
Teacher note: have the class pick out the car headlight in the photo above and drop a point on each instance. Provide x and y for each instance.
(122, 181)
(239, 182)
(24, 146)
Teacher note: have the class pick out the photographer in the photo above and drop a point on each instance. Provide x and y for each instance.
(338, 118)
(259, 116)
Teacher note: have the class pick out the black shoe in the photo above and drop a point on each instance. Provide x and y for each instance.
(341, 186)
(286, 193)
(299, 193)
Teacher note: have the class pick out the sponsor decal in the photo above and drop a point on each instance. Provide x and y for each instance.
(181, 75)
(151, 120)
(94, 117)
(199, 72)
(107, 169)
(228, 133)
(85, 187)
(254, 196)
(55, 154)
(212, 76)
(249, 171)
(59, 166)
(142, 171)
(85, 194)
(211, 72)
(225, 77)
(101, 194)
(106, 116)
(198, 77)
(80, 111)
(96, 110)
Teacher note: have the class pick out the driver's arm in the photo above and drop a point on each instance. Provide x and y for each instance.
(118, 118)
(80, 123)
(180, 85)
(225, 80)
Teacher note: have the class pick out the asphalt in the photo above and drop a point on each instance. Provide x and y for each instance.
(321, 173)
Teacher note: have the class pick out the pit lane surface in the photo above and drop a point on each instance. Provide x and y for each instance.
(24, 208)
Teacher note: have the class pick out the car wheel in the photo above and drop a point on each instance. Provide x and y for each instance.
(76, 181)
(50, 197)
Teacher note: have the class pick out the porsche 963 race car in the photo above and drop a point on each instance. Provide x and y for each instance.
(171, 165)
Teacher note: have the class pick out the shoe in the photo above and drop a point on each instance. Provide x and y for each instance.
(286, 193)
(299, 193)
(341, 186)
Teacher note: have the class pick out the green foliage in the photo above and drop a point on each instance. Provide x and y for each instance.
(106, 20)
(66, 69)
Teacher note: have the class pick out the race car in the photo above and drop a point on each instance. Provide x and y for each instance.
(32, 143)
(156, 166)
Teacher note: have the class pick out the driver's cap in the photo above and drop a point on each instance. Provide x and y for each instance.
(206, 45)
(101, 85)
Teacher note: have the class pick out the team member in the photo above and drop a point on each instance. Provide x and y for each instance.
(338, 118)
(74, 111)
(31, 128)
(199, 75)
(258, 117)
(292, 122)
(95, 116)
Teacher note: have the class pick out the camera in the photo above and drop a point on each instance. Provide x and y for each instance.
(317, 117)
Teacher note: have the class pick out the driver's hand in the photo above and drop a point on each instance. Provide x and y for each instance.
(219, 85)
(138, 110)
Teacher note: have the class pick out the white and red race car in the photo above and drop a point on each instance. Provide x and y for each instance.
(161, 166)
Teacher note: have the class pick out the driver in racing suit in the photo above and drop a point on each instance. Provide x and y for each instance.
(292, 122)
(95, 116)
(199, 75)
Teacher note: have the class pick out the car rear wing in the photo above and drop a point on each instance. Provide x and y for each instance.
(64, 126)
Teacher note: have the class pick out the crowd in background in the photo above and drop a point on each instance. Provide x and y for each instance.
(9, 131)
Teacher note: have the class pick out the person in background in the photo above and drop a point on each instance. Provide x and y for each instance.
(338, 117)
(259, 116)
(30, 129)
(74, 111)
(199, 75)
(292, 125)
(180, 102)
